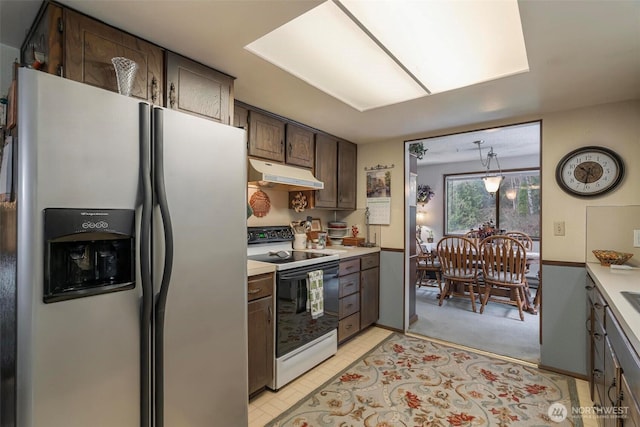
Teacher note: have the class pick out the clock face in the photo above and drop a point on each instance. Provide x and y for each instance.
(590, 171)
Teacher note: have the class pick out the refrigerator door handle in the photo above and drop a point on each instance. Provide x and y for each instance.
(161, 197)
(145, 265)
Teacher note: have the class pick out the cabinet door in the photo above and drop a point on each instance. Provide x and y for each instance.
(347, 163)
(240, 117)
(369, 296)
(260, 343)
(199, 90)
(326, 171)
(45, 41)
(300, 146)
(266, 137)
(89, 47)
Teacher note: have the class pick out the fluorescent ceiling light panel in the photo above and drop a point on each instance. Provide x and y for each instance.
(443, 44)
(325, 48)
(448, 44)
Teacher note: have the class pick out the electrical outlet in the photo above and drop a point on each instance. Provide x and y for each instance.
(558, 228)
(636, 238)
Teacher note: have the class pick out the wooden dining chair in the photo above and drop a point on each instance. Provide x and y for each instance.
(427, 264)
(503, 261)
(521, 237)
(459, 260)
(527, 242)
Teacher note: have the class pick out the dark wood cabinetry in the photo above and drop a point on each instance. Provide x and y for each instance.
(89, 46)
(614, 366)
(326, 171)
(196, 89)
(359, 294)
(349, 306)
(266, 137)
(80, 48)
(347, 163)
(336, 167)
(300, 146)
(369, 289)
(260, 331)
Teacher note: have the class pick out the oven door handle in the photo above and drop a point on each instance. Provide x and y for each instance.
(330, 269)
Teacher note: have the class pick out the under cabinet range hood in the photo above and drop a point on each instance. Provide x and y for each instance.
(268, 174)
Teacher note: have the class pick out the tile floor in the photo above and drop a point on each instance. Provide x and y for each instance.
(268, 404)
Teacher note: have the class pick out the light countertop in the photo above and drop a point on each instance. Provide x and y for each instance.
(611, 283)
(256, 267)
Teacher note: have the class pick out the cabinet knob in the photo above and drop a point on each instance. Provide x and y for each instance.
(598, 306)
(290, 149)
(254, 291)
(597, 336)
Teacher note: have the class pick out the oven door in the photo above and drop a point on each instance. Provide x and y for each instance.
(294, 325)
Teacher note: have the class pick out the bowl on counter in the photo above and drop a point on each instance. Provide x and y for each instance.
(608, 257)
(337, 224)
(337, 232)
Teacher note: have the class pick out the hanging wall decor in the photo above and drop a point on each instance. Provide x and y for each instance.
(260, 203)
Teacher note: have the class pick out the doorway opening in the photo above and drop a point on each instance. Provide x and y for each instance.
(452, 168)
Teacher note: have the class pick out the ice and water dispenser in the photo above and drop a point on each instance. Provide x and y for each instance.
(88, 252)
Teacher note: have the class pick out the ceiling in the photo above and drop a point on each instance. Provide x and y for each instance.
(580, 53)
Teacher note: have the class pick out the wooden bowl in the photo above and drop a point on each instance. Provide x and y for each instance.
(608, 257)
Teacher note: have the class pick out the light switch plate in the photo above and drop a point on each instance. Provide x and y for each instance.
(636, 238)
(558, 228)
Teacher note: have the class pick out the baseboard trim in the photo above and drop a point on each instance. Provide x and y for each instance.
(563, 372)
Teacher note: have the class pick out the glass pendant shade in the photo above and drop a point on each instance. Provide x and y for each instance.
(511, 193)
(492, 183)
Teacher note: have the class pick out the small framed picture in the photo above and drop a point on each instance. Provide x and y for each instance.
(316, 224)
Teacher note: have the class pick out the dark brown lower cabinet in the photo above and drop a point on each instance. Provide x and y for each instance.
(260, 331)
(369, 290)
(359, 294)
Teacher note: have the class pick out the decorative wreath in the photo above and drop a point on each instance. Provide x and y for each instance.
(424, 194)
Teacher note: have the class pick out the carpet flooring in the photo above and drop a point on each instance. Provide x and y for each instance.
(406, 381)
(498, 330)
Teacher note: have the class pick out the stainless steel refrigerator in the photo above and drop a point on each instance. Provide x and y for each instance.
(122, 357)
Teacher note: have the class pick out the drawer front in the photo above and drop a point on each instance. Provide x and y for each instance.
(260, 286)
(348, 326)
(349, 305)
(349, 266)
(349, 284)
(369, 261)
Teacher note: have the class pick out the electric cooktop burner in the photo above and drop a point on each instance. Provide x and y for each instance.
(285, 257)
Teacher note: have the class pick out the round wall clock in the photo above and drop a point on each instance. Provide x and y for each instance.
(590, 171)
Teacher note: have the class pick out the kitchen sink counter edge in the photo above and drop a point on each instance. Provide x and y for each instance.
(611, 283)
(256, 267)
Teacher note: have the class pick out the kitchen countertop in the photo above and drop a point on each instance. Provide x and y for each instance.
(611, 283)
(256, 267)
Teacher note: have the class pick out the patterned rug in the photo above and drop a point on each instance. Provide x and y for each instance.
(406, 381)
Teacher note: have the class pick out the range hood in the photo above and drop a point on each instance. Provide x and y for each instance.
(267, 174)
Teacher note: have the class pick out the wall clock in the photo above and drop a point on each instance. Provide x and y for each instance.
(590, 171)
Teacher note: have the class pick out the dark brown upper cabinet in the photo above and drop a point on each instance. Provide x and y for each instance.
(89, 46)
(300, 146)
(266, 137)
(336, 162)
(199, 90)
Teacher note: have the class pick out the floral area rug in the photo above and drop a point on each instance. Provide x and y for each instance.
(407, 381)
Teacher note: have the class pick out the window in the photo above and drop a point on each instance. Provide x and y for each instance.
(516, 205)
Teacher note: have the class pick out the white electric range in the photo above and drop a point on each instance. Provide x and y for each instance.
(301, 341)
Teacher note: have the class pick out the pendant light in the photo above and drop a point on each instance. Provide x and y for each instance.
(492, 181)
